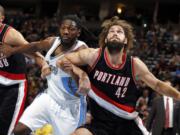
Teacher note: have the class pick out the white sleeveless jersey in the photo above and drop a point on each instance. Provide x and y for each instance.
(61, 86)
(57, 106)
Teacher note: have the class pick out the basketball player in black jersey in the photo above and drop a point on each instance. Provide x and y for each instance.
(13, 84)
(113, 75)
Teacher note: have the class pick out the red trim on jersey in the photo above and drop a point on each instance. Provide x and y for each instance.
(121, 106)
(13, 76)
(2, 27)
(90, 68)
(109, 63)
(23, 103)
(5, 33)
(133, 71)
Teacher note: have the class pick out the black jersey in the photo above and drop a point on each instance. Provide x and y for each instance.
(113, 88)
(13, 67)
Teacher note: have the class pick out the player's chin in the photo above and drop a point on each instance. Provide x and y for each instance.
(66, 40)
(115, 41)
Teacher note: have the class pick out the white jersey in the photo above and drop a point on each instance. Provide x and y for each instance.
(57, 106)
(61, 86)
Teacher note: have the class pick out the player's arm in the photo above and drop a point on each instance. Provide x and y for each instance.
(143, 73)
(83, 80)
(14, 43)
(16, 40)
(26, 48)
(82, 57)
(79, 75)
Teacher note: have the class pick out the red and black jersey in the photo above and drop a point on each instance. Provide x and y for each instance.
(13, 67)
(113, 87)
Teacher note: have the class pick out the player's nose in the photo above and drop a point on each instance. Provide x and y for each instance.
(66, 31)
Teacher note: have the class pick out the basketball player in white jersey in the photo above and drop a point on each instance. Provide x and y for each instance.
(61, 105)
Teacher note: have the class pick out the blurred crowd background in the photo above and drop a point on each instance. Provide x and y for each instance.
(156, 28)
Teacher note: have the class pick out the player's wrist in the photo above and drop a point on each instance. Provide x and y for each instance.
(84, 76)
(45, 66)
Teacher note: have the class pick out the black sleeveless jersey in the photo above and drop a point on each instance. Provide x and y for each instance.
(13, 65)
(115, 86)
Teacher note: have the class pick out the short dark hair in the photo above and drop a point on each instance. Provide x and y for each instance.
(2, 11)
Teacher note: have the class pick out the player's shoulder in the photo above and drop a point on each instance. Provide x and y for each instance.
(14, 37)
(80, 45)
(50, 38)
(93, 52)
(80, 42)
(13, 33)
(12, 30)
(137, 60)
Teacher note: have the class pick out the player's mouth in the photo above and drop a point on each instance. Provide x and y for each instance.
(65, 38)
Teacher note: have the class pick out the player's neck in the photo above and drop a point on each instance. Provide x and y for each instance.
(116, 58)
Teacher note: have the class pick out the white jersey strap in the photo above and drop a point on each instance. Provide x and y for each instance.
(55, 44)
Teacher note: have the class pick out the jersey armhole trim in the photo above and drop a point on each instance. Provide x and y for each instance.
(90, 68)
(133, 70)
(4, 36)
(2, 28)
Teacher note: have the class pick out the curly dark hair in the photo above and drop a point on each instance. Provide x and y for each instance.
(128, 29)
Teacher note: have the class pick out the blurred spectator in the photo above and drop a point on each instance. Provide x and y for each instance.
(178, 118)
(177, 75)
(144, 98)
(162, 119)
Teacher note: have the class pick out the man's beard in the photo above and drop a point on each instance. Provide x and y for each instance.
(114, 46)
(67, 44)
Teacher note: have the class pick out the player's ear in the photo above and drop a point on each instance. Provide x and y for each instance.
(2, 18)
(105, 40)
(79, 33)
(125, 41)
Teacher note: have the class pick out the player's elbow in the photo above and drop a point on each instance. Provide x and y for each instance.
(21, 129)
(16, 131)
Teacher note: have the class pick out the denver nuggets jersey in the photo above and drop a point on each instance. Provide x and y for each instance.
(61, 86)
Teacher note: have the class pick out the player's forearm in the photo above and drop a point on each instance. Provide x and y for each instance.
(83, 80)
(79, 72)
(29, 48)
(24, 49)
(167, 90)
(40, 60)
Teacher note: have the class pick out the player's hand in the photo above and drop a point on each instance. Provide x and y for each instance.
(66, 66)
(45, 70)
(5, 50)
(84, 85)
(59, 63)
